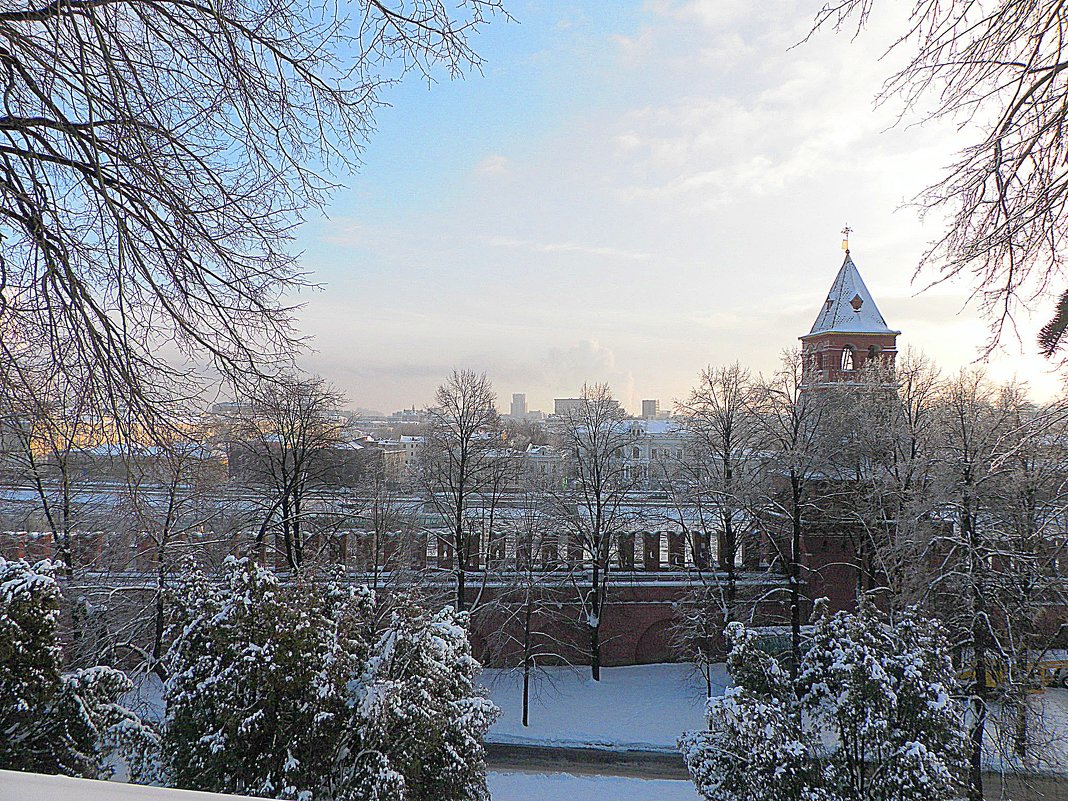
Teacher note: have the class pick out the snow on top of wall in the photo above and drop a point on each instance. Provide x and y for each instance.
(37, 787)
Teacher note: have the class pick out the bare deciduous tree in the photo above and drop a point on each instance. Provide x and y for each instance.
(594, 437)
(790, 418)
(155, 157)
(387, 517)
(999, 68)
(169, 504)
(721, 429)
(998, 483)
(896, 511)
(49, 428)
(281, 443)
(459, 469)
(530, 610)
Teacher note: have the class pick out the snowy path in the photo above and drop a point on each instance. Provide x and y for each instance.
(520, 786)
(643, 707)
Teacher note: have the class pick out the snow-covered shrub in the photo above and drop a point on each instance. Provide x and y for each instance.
(55, 722)
(418, 711)
(256, 698)
(755, 748)
(289, 690)
(882, 689)
(870, 717)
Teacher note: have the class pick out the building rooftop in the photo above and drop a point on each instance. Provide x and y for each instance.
(849, 308)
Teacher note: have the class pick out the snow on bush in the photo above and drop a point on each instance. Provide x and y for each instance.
(293, 691)
(55, 722)
(870, 717)
(417, 708)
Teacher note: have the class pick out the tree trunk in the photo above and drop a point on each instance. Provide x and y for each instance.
(526, 664)
(980, 644)
(460, 555)
(975, 743)
(374, 559)
(1021, 737)
(795, 577)
(298, 539)
(595, 650)
(594, 619)
(729, 564)
(287, 533)
(158, 623)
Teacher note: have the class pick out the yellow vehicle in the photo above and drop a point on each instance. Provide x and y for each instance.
(1050, 671)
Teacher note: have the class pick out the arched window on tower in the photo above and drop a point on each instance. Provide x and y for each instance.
(873, 352)
(849, 358)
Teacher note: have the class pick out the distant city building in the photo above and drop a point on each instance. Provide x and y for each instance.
(563, 406)
(233, 408)
(519, 404)
(650, 409)
(544, 461)
(406, 449)
(412, 415)
(413, 447)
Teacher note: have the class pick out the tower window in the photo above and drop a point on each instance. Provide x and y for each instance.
(873, 352)
(849, 358)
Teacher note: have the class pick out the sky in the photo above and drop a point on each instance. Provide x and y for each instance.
(628, 193)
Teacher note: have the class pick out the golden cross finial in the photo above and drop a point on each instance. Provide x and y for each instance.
(845, 238)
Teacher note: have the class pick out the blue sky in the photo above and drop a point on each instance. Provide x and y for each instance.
(628, 193)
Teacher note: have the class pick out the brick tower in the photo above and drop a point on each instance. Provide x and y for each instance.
(848, 333)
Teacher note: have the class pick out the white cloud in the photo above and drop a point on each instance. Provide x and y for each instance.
(565, 247)
(493, 165)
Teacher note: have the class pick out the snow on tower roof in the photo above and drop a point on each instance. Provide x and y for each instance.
(849, 308)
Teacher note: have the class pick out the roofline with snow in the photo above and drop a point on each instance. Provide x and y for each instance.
(887, 333)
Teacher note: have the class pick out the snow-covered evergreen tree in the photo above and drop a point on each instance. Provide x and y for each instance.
(290, 690)
(755, 748)
(256, 699)
(869, 718)
(418, 712)
(882, 688)
(50, 721)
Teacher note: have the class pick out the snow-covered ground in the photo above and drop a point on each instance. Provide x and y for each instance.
(643, 707)
(518, 786)
(1048, 725)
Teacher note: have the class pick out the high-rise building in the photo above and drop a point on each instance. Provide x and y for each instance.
(519, 404)
(650, 409)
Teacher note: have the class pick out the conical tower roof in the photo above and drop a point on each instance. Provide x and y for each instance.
(849, 308)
